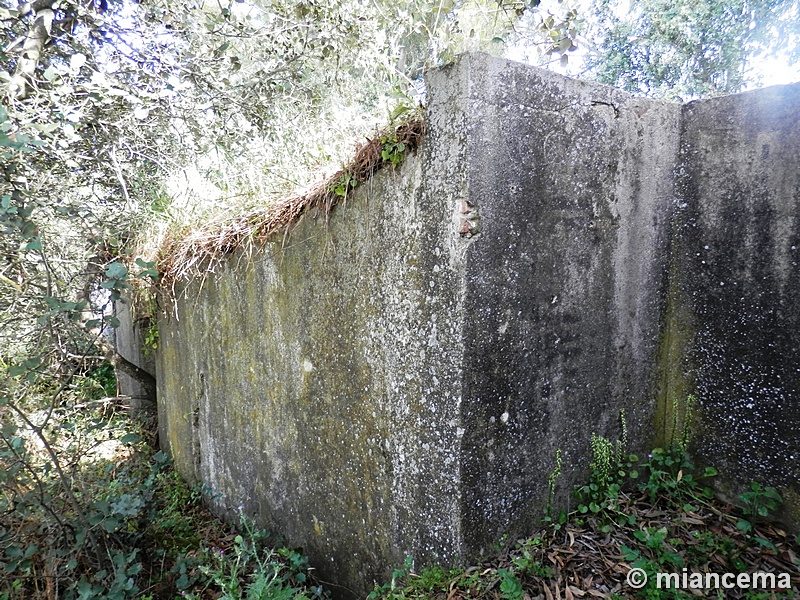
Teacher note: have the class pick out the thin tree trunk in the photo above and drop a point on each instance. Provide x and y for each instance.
(31, 53)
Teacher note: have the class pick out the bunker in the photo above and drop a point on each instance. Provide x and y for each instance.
(396, 379)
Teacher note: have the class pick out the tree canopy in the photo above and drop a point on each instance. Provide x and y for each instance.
(693, 48)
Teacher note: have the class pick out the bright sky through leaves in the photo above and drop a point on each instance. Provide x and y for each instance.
(771, 68)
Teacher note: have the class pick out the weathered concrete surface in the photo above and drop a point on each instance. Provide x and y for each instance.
(737, 244)
(572, 185)
(398, 380)
(319, 386)
(129, 341)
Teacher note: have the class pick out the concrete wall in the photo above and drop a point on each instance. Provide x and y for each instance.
(319, 385)
(571, 185)
(737, 234)
(129, 339)
(397, 381)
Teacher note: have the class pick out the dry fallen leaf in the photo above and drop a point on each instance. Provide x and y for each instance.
(577, 591)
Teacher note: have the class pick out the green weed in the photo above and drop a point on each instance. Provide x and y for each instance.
(342, 186)
(392, 150)
(510, 585)
(394, 589)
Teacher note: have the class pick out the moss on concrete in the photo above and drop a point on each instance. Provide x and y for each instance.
(676, 383)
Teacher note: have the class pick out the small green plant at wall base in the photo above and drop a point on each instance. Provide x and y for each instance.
(681, 428)
(551, 488)
(433, 579)
(527, 562)
(394, 589)
(610, 469)
(603, 458)
(670, 476)
(758, 502)
(510, 585)
(250, 570)
(622, 442)
(501, 543)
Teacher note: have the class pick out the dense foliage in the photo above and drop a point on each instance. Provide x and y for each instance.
(693, 48)
(111, 109)
(129, 527)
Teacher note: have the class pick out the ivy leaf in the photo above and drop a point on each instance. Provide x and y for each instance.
(116, 270)
(35, 244)
(744, 525)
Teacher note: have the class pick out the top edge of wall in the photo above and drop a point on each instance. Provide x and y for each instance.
(472, 59)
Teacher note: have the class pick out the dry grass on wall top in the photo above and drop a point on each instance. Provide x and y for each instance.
(196, 252)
